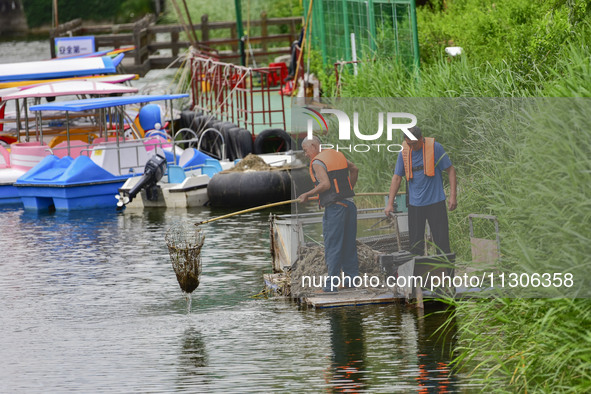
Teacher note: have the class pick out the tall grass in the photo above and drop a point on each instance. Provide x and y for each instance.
(445, 78)
(532, 169)
(225, 11)
(537, 183)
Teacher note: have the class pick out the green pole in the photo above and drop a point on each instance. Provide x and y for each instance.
(415, 34)
(347, 37)
(320, 23)
(371, 25)
(240, 29)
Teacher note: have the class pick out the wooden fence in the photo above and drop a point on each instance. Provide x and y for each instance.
(158, 46)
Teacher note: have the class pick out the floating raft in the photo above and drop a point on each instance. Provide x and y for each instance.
(350, 297)
(382, 256)
(345, 297)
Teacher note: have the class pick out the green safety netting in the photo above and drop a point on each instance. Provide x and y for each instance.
(387, 26)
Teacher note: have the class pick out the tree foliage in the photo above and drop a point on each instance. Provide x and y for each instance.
(528, 34)
(39, 12)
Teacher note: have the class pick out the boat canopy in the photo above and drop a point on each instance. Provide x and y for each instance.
(113, 78)
(103, 102)
(65, 88)
(58, 68)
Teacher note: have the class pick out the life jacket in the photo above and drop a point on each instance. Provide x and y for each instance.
(338, 175)
(428, 158)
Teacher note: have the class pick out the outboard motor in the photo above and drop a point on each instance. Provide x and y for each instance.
(153, 172)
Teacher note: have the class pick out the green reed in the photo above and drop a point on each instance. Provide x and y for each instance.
(528, 161)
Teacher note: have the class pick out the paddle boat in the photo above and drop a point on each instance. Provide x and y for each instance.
(81, 87)
(12, 74)
(188, 173)
(226, 174)
(200, 180)
(18, 156)
(112, 78)
(93, 178)
(183, 185)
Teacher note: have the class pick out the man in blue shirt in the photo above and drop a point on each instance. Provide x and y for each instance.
(421, 162)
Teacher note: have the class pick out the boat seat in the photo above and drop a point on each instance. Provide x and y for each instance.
(74, 135)
(4, 157)
(211, 167)
(192, 158)
(76, 147)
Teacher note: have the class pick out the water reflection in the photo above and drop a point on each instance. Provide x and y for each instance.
(391, 348)
(436, 336)
(193, 359)
(155, 215)
(99, 287)
(347, 370)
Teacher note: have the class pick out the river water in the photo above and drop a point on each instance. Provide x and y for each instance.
(90, 303)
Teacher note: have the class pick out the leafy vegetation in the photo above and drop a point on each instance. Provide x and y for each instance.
(224, 10)
(39, 12)
(532, 172)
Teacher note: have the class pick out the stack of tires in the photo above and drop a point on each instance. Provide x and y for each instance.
(245, 189)
(225, 139)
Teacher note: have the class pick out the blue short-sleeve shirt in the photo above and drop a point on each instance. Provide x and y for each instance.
(425, 190)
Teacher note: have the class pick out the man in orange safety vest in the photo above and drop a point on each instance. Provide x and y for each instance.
(334, 178)
(421, 162)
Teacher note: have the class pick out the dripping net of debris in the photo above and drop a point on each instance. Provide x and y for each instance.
(184, 243)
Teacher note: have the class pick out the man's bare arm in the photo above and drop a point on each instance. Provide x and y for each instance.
(394, 186)
(453, 203)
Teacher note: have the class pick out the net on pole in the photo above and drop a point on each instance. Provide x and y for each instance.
(184, 243)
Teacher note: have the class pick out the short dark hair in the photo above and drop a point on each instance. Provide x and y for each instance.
(416, 131)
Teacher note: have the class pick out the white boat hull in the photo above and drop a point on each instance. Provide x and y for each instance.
(192, 192)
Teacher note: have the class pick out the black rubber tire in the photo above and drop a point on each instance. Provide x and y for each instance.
(249, 189)
(231, 147)
(244, 143)
(272, 141)
(224, 128)
(199, 123)
(211, 143)
(189, 119)
(214, 124)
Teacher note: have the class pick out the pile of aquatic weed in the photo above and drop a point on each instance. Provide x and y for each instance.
(311, 263)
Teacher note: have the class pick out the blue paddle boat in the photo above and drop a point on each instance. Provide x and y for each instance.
(93, 178)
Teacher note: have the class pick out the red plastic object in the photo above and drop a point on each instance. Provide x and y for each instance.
(287, 89)
(276, 77)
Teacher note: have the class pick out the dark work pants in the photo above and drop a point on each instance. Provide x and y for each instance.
(339, 228)
(436, 214)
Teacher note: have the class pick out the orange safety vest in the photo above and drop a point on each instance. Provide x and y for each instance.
(428, 157)
(338, 175)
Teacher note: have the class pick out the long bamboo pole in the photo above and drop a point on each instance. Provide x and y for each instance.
(55, 15)
(302, 50)
(183, 23)
(275, 204)
(190, 22)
